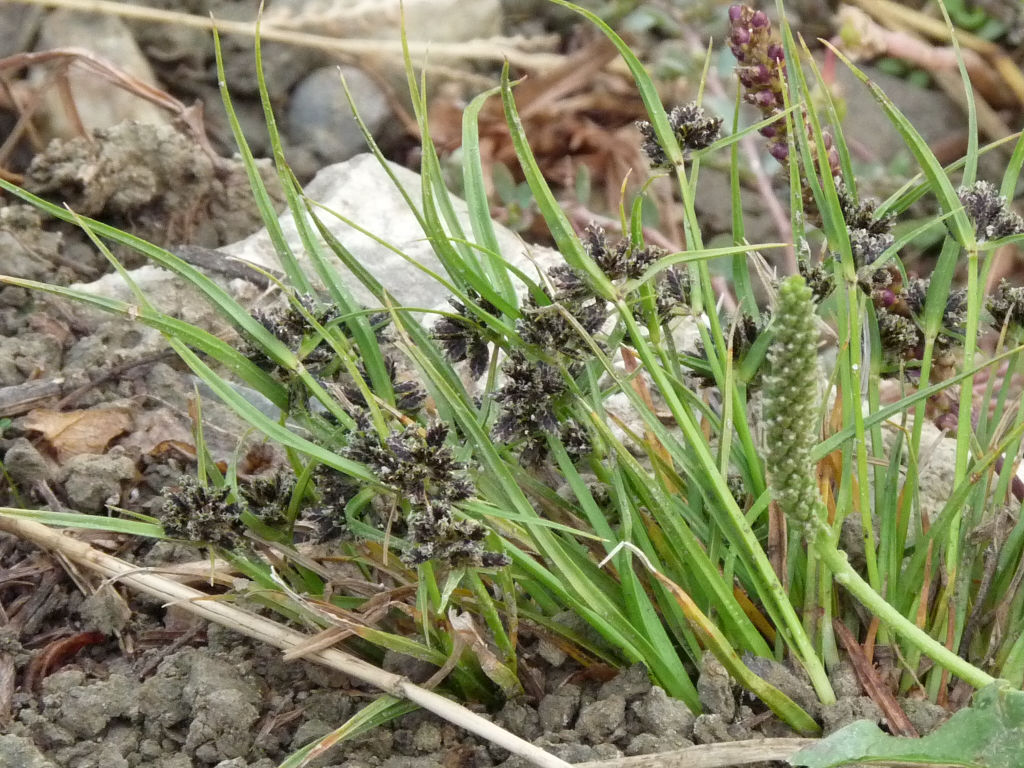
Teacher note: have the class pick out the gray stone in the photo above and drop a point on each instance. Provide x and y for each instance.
(26, 465)
(362, 191)
(85, 709)
(28, 355)
(310, 731)
(92, 480)
(658, 713)
(797, 687)
(629, 683)
(329, 705)
(437, 21)
(551, 653)
(427, 737)
(19, 752)
(14, 296)
(222, 726)
(846, 711)
(714, 687)
(29, 250)
(557, 710)
(844, 681)
(651, 743)
(711, 729)
(519, 718)
(319, 115)
(924, 715)
(602, 721)
(105, 611)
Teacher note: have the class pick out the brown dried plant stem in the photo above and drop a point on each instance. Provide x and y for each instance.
(496, 50)
(271, 632)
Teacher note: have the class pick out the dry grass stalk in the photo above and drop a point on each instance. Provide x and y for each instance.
(492, 49)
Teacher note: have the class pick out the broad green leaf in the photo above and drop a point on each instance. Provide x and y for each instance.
(989, 734)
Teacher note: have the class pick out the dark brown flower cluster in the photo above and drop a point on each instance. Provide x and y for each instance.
(202, 515)
(464, 337)
(409, 394)
(290, 326)
(898, 306)
(624, 261)
(532, 396)
(761, 58)
(421, 470)
(532, 391)
(1007, 306)
(990, 211)
(324, 519)
(693, 130)
(870, 235)
(267, 497)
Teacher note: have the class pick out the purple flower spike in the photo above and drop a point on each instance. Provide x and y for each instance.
(775, 52)
(887, 298)
(779, 151)
(765, 99)
(740, 36)
(759, 20)
(769, 131)
(735, 12)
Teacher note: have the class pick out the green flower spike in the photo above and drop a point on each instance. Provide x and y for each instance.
(791, 401)
(791, 405)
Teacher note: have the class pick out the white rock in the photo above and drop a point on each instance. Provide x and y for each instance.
(361, 190)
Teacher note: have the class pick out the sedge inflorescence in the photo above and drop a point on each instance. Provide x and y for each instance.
(202, 514)
(990, 211)
(420, 469)
(534, 396)
(693, 128)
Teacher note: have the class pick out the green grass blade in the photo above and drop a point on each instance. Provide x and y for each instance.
(561, 230)
(259, 189)
(272, 429)
(476, 196)
(87, 522)
(942, 187)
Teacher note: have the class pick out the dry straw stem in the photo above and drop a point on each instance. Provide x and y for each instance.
(491, 49)
(270, 632)
(712, 755)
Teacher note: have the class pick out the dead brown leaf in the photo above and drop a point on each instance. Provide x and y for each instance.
(73, 432)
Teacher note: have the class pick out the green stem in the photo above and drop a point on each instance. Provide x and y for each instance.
(846, 576)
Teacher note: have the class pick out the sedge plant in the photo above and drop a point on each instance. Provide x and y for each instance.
(466, 457)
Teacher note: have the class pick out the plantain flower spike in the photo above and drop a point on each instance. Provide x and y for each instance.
(791, 402)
